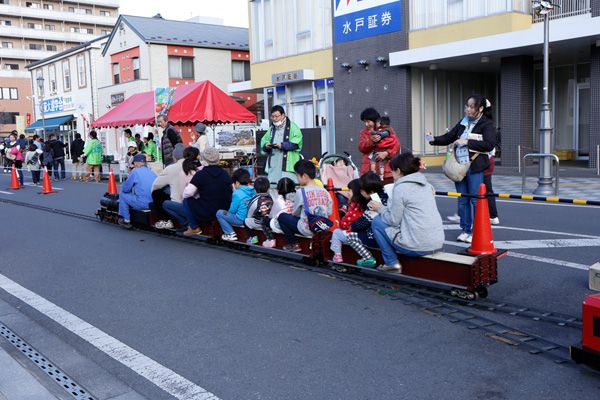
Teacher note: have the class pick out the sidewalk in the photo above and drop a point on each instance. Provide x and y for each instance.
(16, 382)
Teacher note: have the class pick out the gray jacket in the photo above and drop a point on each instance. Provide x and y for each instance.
(413, 218)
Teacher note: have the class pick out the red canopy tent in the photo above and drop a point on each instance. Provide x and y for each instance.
(193, 103)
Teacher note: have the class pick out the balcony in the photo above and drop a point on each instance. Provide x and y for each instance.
(432, 13)
(26, 54)
(568, 8)
(41, 34)
(56, 15)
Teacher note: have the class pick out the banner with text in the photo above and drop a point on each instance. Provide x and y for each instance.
(162, 104)
(358, 19)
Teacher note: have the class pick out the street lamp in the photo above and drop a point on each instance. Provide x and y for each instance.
(544, 188)
(40, 81)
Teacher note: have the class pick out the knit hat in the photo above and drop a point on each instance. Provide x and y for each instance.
(139, 158)
(211, 156)
(200, 127)
(178, 151)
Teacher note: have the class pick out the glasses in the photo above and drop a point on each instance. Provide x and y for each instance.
(468, 107)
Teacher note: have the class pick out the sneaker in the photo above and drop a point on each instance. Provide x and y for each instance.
(252, 240)
(365, 262)
(469, 239)
(182, 229)
(168, 224)
(230, 236)
(495, 221)
(159, 224)
(462, 237)
(73, 179)
(191, 231)
(394, 268)
(292, 247)
(337, 257)
(453, 218)
(269, 243)
(125, 223)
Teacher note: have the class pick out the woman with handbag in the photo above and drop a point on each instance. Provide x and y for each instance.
(473, 137)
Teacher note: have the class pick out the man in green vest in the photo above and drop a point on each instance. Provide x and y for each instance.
(282, 143)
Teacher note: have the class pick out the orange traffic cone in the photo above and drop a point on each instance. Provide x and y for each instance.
(14, 182)
(47, 189)
(335, 215)
(112, 185)
(483, 241)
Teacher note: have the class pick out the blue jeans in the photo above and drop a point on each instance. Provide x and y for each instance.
(175, 210)
(469, 185)
(289, 225)
(389, 249)
(61, 162)
(129, 199)
(189, 215)
(226, 220)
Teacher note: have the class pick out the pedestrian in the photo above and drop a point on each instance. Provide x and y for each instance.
(3, 153)
(93, 157)
(368, 141)
(199, 138)
(59, 157)
(33, 160)
(412, 224)
(48, 158)
(14, 155)
(37, 141)
(238, 210)
(166, 187)
(356, 208)
(169, 139)
(474, 136)
(487, 179)
(150, 147)
(77, 146)
(132, 151)
(282, 143)
(259, 208)
(136, 191)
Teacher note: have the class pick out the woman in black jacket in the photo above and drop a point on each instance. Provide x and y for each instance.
(474, 134)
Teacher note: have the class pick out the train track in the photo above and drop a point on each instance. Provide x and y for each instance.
(432, 302)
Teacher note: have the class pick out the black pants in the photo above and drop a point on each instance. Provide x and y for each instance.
(156, 207)
(487, 179)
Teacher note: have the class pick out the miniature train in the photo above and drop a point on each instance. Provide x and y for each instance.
(463, 275)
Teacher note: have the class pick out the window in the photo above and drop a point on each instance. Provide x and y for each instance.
(240, 71)
(181, 67)
(105, 13)
(51, 47)
(36, 46)
(75, 30)
(11, 66)
(136, 68)
(50, 27)
(104, 32)
(4, 23)
(52, 74)
(7, 93)
(32, 5)
(116, 74)
(81, 70)
(66, 75)
(80, 10)
(3, 1)
(31, 25)
(8, 117)
(88, 31)
(48, 7)
(7, 45)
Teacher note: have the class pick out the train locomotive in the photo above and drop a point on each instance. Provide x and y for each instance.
(463, 275)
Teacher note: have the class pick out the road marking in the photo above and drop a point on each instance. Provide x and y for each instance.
(159, 375)
(549, 261)
(546, 243)
(6, 192)
(527, 202)
(455, 227)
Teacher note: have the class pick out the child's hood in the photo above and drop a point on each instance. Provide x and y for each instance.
(246, 191)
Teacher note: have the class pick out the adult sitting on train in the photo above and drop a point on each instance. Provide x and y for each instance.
(166, 187)
(136, 191)
(208, 192)
(412, 225)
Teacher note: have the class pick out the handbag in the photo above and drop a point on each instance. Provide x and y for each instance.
(316, 223)
(454, 170)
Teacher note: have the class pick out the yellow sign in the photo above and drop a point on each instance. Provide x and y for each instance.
(20, 124)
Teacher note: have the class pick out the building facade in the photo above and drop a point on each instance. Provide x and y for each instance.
(34, 30)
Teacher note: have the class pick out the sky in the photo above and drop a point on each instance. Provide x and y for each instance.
(233, 12)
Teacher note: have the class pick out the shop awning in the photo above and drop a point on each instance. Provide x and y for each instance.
(193, 103)
(51, 124)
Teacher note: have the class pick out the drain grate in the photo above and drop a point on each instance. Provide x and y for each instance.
(45, 365)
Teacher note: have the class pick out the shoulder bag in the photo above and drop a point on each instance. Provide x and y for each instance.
(316, 223)
(453, 170)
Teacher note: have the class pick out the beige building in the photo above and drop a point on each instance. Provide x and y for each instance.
(34, 30)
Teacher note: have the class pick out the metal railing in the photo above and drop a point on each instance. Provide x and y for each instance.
(541, 155)
(568, 8)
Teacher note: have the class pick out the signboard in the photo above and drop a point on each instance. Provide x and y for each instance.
(116, 99)
(20, 124)
(358, 19)
(53, 105)
(28, 119)
(293, 76)
(68, 103)
(163, 100)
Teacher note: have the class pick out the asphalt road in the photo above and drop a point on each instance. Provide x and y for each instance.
(239, 327)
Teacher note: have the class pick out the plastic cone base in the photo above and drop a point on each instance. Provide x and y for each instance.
(112, 185)
(47, 189)
(483, 240)
(14, 182)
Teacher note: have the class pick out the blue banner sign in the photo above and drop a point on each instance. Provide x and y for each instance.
(53, 105)
(358, 19)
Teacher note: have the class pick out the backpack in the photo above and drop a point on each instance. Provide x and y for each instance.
(47, 158)
(35, 159)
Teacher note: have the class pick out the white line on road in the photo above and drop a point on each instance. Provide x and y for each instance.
(546, 243)
(451, 227)
(159, 375)
(6, 192)
(530, 202)
(549, 261)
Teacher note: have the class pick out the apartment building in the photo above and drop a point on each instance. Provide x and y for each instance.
(34, 30)
(292, 66)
